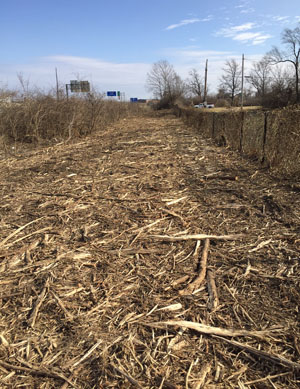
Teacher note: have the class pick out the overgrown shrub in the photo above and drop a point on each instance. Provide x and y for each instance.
(222, 103)
(43, 118)
(164, 103)
(278, 98)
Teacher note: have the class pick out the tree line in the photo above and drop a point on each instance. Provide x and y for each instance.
(271, 82)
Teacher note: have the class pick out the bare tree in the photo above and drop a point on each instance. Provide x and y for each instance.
(230, 81)
(280, 91)
(24, 84)
(179, 87)
(291, 40)
(260, 76)
(195, 84)
(164, 82)
(282, 78)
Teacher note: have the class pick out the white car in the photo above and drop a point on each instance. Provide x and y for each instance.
(202, 105)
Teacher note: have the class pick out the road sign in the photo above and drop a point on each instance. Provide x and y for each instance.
(79, 86)
(75, 86)
(84, 86)
(111, 93)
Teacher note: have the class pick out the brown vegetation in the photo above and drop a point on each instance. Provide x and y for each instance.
(43, 119)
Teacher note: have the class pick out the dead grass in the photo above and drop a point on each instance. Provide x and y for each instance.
(96, 249)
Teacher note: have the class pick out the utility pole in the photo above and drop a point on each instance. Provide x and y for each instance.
(242, 94)
(57, 90)
(205, 84)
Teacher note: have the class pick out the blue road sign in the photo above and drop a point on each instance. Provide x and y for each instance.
(111, 93)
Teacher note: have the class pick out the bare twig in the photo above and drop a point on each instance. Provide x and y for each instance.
(38, 303)
(209, 330)
(38, 372)
(194, 285)
(167, 238)
(188, 375)
(203, 373)
(61, 304)
(127, 376)
(212, 289)
(262, 354)
(268, 377)
(18, 230)
(90, 351)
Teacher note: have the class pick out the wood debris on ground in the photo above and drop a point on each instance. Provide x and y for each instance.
(132, 259)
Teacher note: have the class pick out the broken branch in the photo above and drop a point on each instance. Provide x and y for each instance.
(262, 354)
(209, 330)
(198, 280)
(168, 238)
(212, 290)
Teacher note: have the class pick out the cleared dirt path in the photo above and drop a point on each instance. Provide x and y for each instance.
(87, 282)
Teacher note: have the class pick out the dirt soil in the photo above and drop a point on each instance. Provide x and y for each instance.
(147, 257)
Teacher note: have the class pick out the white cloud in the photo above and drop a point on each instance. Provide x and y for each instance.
(247, 10)
(207, 19)
(231, 31)
(255, 37)
(243, 34)
(189, 21)
(183, 23)
(246, 36)
(281, 19)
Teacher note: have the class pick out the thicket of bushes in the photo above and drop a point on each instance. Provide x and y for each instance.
(43, 117)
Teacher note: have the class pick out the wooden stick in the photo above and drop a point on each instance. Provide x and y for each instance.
(262, 354)
(68, 315)
(27, 236)
(201, 381)
(201, 277)
(196, 253)
(18, 230)
(209, 330)
(168, 238)
(212, 290)
(179, 281)
(90, 351)
(127, 376)
(173, 214)
(38, 303)
(188, 375)
(37, 372)
(268, 377)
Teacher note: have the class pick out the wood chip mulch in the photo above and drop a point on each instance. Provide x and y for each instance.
(147, 257)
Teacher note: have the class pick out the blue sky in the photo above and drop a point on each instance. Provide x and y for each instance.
(114, 43)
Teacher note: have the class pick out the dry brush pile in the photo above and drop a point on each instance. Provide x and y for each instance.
(146, 257)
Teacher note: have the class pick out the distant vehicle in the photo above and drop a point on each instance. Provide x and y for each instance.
(204, 105)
